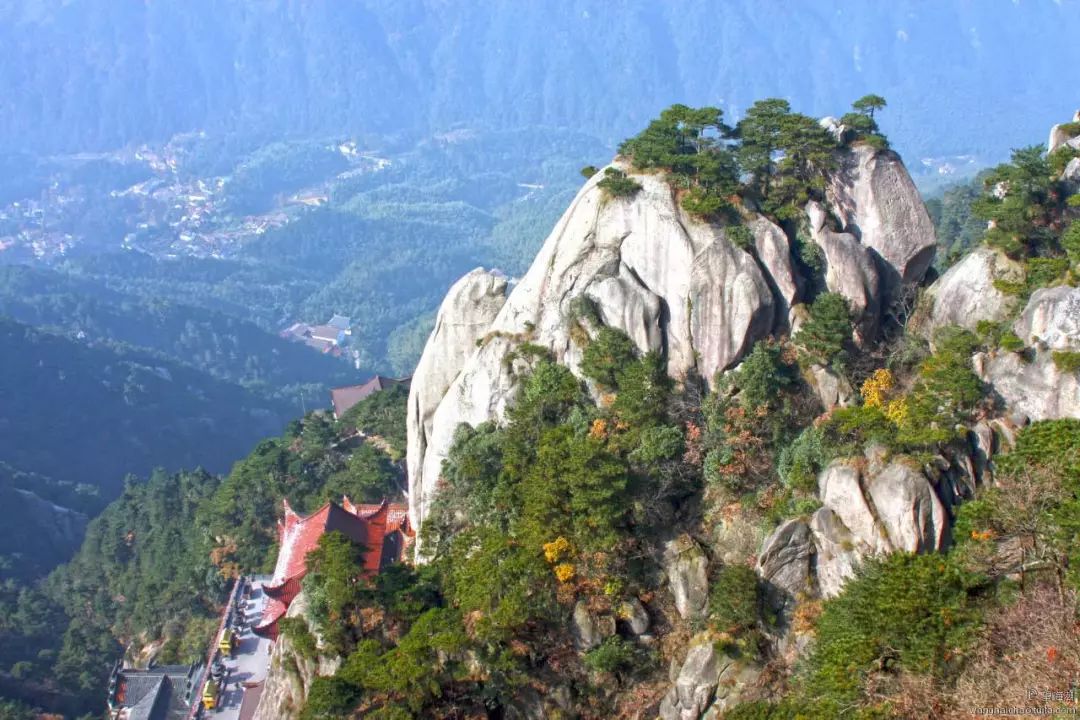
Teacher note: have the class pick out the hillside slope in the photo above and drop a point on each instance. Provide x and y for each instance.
(75, 420)
(224, 347)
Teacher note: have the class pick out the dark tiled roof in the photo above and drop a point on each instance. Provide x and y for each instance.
(344, 398)
(325, 332)
(152, 705)
(341, 322)
(158, 693)
(136, 686)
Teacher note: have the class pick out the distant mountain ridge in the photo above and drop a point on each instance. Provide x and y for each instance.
(130, 72)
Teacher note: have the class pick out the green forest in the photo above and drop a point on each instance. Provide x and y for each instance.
(188, 186)
(157, 563)
(223, 346)
(382, 250)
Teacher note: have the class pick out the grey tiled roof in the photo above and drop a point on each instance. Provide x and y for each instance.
(158, 693)
(153, 703)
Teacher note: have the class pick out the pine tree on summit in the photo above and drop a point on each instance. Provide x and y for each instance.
(760, 133)
(868, 104)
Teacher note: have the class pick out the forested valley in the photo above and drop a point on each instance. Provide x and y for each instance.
(149, 363)
(191, 192)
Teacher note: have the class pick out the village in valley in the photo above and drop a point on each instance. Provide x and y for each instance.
(156, 199)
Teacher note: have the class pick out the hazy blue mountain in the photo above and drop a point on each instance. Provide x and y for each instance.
(961, 77)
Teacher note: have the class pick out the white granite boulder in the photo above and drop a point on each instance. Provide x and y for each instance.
(1051, 318)
(876, 200)
(1035, 388)
(696, 683)
(774, 253)
(849, 270)
(965, 294)
(731, 306)
(464, 316)
(686, 567)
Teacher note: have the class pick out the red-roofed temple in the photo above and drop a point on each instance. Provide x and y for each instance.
(382, 529)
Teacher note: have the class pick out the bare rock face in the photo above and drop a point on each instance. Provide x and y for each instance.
(908, 507)
(984, 442)
(623, 301)
(1059, 138)
(831, 389)
(1051, 318)
(838, 553)
(715, 297)
(633, 613)
(727, 291)
(870, 506)
(735, 537)
(774, 254)
(1033, 385)
(464, 316)
(738, 683)
(885, 507)
(785, 564)
(849, 270)
(841, 490)
(482, 391)
(878, 202)
(1071, 174)
(589, 630)
(965, 294)
(687, 571)
(1035, 388)
(693, 690)
(834, 127)
(709, 683)
(671, 282)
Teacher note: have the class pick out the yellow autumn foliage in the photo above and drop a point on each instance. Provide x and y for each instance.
(599, 429)
(564, 572)
(557, 549)
(876, 388)
(897, 411)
